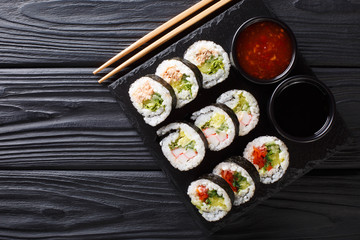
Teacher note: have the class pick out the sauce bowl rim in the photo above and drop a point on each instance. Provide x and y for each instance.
(282, 75)
(330, 100)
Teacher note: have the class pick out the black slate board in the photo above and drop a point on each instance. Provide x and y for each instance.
(221, 29)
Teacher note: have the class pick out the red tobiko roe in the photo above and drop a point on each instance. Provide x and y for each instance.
(264, 50)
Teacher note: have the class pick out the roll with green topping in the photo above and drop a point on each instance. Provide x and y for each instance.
(153, 98)
(183, 145)
(212, 196)
(244, 106)
(219, 125)
(212, 61)
(238, 179)
(184, 78)
(270, 156)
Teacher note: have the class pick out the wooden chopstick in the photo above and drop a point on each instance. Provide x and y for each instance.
(166, 37)
(154, 33)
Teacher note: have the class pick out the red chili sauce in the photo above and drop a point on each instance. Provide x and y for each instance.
(264, 50)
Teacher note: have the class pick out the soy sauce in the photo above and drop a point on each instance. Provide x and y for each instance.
(301, 109)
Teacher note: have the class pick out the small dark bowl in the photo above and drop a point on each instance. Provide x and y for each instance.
(236, 64)
(325, 105)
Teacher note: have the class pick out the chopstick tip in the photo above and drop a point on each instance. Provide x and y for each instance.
(101, 80)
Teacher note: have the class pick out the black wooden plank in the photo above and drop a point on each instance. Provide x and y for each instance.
(318, 27)
(63, 119)
(87, 33)
(142, 205)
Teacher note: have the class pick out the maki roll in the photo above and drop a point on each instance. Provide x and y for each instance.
(212, 61)
(153, 98)
(184, 145)
(183, 77)
(270, 156)
(238, 179)
(219, 125)
(244, 106)
(212, 196)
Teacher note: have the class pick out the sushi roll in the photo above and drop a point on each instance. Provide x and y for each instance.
(219, 125)
(212, 61)
(238, 179)
(153, 98)
(270, 156)
(212, 196)
(244, 106)
(183, 77)
(184, 145)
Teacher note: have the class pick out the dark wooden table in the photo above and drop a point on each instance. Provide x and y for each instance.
(71, 165)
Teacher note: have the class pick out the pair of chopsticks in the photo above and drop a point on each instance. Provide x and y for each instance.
(164, 38)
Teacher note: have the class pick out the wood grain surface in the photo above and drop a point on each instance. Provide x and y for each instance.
(71, 165)
(87, 33)
(134, 205)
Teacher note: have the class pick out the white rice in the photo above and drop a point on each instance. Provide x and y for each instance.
(213, 79)
(243, 195)
(204, 115)
(150, 117)
(183, 97)
(210, 213)
(277, 171)
(231, 99)
(181, 163)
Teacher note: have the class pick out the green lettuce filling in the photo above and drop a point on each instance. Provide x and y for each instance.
(242, 104)
(272, 157)
(214, 199)
(212, 65)
(182, 142)
(218, 122)
(240, 182)
(154, 103)
(183, 84)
